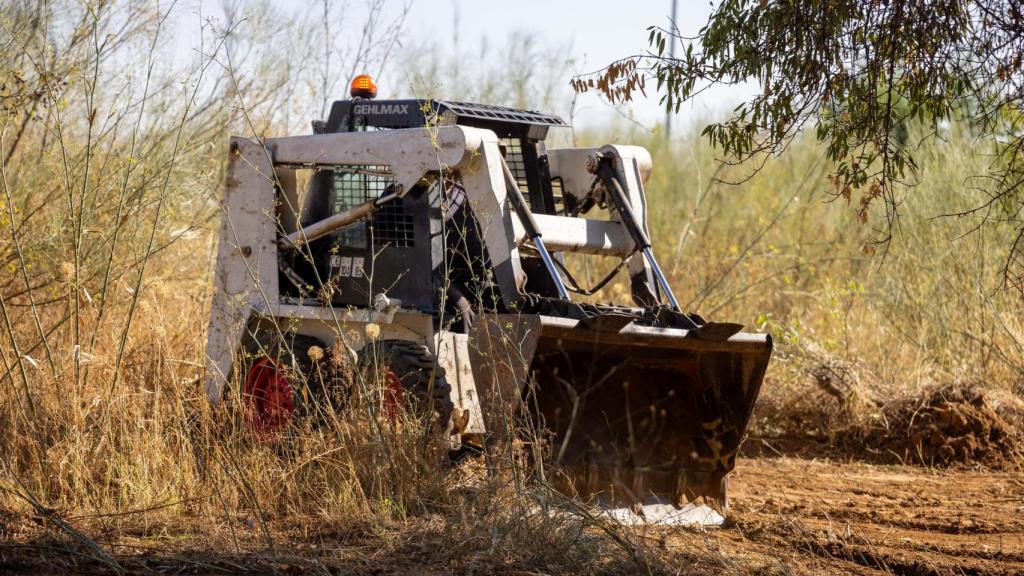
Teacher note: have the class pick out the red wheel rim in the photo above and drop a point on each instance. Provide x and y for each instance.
(394, 394)
(268, 397)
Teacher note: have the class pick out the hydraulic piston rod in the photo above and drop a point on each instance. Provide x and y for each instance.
(330, 224)
(602, 165)
(532, 230)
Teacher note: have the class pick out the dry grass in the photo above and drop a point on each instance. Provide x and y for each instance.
(111, 457)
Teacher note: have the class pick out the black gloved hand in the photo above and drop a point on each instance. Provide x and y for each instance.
(466, 310)
(455, 295)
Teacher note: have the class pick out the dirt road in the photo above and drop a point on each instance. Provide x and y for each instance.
(793, 516)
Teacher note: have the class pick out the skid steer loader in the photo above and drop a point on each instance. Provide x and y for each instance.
(433, 234)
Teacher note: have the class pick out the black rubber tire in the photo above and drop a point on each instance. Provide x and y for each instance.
(417, 370)
(312, 386)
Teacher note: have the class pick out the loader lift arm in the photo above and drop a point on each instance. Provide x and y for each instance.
(601, 165)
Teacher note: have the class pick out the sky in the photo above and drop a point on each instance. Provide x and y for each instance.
(598, 32)
(595, 33)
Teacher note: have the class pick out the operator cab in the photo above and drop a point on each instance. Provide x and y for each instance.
(420, 226)
(522, 133)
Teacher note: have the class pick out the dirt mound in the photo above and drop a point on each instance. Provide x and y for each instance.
(947, 426)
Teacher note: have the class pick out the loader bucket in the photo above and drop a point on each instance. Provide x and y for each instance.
(626, 412)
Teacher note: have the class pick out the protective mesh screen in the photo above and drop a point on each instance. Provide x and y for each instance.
(514, 159)
(348, 190)
(393, 227)
(557, 194)
(390, 226)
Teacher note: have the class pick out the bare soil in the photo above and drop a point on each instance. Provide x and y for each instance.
(788, 516)
(946, 426)
(794, 516)
(950, 426)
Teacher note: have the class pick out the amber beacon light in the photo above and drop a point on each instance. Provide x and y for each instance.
(363, 87)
